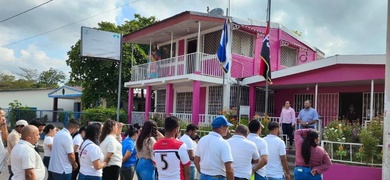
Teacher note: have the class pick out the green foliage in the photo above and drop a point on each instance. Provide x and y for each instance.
(101, 114)
(64, 116)
(9, 82)
(51, 78)
(98, 78)
(370, 143)
(17, 111)
(244, 121)
(334, 131)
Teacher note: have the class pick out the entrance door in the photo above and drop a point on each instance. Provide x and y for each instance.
(191, 58)
(348, 99)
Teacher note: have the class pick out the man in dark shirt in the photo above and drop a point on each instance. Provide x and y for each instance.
(351, 115)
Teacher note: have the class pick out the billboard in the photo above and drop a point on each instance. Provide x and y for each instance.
(100, 44)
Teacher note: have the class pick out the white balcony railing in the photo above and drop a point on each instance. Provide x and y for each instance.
(206, 119)
(206, 64)
(137, 117)
(183, 117)
(157, 115)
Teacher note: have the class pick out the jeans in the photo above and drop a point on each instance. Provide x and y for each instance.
(271, 178)
(304, 173)
(46, 161)
(111, 172)
(145, 169)
(258, 177)
(10, 172)
(127, 173)
(192, 172)
(63, 176)
(85, 177)
(207, 177)
(288, 130)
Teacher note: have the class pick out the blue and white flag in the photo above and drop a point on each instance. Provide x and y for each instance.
(224, 49)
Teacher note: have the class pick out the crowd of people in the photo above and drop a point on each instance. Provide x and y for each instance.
(98, 151)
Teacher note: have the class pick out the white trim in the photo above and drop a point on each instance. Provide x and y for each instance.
(172, 79)
(155, 101)
(330, 61)
(174, 100)
(207, 100)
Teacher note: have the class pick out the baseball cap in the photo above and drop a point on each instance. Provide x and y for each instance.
(21, 123)
(220, 121)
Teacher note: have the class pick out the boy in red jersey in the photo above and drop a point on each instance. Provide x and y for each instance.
(170, 155)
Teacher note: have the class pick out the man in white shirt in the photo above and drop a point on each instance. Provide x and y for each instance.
(243, 152)
(26, 162)
(277, 160)
(13, 139)
(191, 132)
(3, 138)
(213, 157)
(255, 128)
(62, 158)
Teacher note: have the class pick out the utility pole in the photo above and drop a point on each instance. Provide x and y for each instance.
(386, 128)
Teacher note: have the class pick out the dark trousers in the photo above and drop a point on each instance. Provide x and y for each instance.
(46, 161)
(10, 172)
(288, 130)
(237, 178)
(111, 172)
(76, 171)
(127, 173)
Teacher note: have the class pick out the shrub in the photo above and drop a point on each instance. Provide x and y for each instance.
(101, 114)
(64, 116)
(18, 111)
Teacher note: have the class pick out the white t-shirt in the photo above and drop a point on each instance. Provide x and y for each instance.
(214, 152)
(48, 140)
(24, 156)
(77, 140)
(87, 156)
(243, 152)
(3, 152)
(262, 148)
(190, 144)
(276, 149)
(112, 145)
(62, 146)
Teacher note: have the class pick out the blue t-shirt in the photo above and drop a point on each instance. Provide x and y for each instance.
(307, 115)
(128, 144)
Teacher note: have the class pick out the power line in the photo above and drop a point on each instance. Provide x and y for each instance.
(40, 34)
(25, 11)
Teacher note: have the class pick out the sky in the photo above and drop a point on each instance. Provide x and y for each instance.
(41, 38)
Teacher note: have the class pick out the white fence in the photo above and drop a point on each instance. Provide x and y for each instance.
(158, 115)
(183, 116)
(137, 117)
(206, 64)
(349, 153)
(205, 119)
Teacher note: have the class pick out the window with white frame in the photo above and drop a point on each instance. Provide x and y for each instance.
(160, 106)
(166, 49)
(215, 99)
(243, 43)
(288, 56)
(184, 102)
(211, 42)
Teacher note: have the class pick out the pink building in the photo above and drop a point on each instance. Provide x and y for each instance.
(187, 82)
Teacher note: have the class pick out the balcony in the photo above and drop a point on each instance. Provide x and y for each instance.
(200, 63)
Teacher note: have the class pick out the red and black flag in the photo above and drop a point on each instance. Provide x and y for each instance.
(265, 62)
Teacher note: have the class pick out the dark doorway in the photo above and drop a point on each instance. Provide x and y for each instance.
(191, 59)
(347, 99)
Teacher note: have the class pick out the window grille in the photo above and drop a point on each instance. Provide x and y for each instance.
(244, 101)
(288, 56)
(184, 102)
(215, 99)
(160, 106)
(299, 101)
(211, 42)
(165, 51)
(243, 43)
(379, 98)
(260, 102)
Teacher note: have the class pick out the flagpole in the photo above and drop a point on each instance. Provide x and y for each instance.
(266, 78)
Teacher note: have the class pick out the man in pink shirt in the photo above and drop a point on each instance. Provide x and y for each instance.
(287, 121)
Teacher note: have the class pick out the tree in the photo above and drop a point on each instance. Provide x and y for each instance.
(9, 82)
(51, 78)
(99, 78)
(28, 74)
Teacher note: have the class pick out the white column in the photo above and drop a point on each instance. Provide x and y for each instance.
(372, 100)
(171, 44)
(197, 63)
(155, 101)
(386, 128)
(316, 97)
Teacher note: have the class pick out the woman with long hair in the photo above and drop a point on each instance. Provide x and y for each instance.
(112, 150)
(78, 138)
(147, 138)
(129, 153)
(50, 130)
(90, 155)
(311, 160)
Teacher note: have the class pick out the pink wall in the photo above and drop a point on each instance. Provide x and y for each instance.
(345, 172)
(202, 102)
(283, 95)
(181, 47)
(242, 66)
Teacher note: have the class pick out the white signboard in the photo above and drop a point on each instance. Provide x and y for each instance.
(100, 44)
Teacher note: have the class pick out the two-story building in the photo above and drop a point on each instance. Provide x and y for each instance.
(188, 83)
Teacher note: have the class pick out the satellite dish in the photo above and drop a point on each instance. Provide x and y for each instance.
(217, 11)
